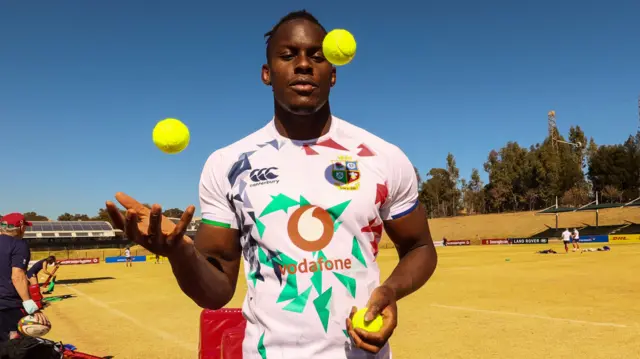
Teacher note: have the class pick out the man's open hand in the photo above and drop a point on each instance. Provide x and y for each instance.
(148, 227)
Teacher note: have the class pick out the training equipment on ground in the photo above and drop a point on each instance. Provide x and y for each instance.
(339, 47)
(30, 326)
(171, 136)
(221, 333)
(51, 285)
(358, 321)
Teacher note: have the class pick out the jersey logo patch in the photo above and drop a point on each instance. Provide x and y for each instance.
(264, 176)
(345, 173)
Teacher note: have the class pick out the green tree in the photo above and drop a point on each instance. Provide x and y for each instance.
(173, 213)
(65, 217)
(454, 194)
(473, 194)
(509, 177)
(435, 192)
(73, 217)
(33, 216)
(576, 135)
(103, 215)
(616, 166)
(575, 196)
(610, 194)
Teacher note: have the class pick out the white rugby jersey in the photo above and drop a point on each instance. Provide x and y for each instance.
(310, 215)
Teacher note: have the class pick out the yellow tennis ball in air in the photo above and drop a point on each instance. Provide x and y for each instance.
(171, 136)
(358, 321)
(339, 47)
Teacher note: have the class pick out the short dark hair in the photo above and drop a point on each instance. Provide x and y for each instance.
(294, 15)
(51, 258)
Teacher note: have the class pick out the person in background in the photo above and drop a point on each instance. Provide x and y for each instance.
(127, 255)
(566, 239)
(575, 236)
(42, 265)
(15, 298)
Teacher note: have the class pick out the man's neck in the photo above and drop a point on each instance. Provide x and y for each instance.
(300, 127)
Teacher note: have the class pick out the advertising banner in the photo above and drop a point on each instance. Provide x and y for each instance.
(594, 239)
(528, 240)
(624, 238)
(64, 262)
(495, 241)
(122, 259)
(437, 243)
(458, 242)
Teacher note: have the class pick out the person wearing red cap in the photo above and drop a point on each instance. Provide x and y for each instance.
(15, 298)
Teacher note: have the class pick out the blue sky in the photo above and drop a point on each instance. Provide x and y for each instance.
(84, 82)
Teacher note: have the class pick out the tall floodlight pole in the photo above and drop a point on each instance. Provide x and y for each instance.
(551, 126)
(553, 132)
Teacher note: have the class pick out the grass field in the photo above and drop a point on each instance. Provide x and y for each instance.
(477, 305)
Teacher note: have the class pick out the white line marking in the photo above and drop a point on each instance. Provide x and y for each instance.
(160, 333)
(528, 316)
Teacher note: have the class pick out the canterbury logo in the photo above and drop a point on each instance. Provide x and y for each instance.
(263, 174)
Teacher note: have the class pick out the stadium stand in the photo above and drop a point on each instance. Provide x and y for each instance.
(594, 206)
(50, 235)
(590, 231)
(633, 228)
(55, 235)
(600, 230)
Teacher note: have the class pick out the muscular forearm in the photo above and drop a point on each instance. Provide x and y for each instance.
(207, 285)
(21, 283)
(413, 270)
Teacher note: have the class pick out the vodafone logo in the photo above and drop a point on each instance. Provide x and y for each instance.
(310, 228)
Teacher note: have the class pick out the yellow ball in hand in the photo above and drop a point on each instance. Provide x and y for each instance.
(339, 47)
(358, 321)
(171, 136)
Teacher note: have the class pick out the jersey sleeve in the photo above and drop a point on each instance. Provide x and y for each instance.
(213, 192)
(20, 255)
(402, 186)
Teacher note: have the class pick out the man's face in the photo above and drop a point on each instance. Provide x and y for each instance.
(299, 74)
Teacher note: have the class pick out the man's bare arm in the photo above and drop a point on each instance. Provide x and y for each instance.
(20, 282)
(45, 268)
(418, 257)
(207, 269)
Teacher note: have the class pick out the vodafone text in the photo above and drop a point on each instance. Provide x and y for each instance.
(314, 266)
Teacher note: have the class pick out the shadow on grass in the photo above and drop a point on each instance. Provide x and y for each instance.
(82, 280)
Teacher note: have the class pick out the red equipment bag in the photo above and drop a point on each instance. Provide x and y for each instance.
(221, 333)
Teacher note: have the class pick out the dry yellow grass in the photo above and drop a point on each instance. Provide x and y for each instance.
(520, 224)
(477, 305)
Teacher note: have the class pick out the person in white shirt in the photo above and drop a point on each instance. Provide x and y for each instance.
(128, 259)
(303, 201)
(566, 239)
(575, 239)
